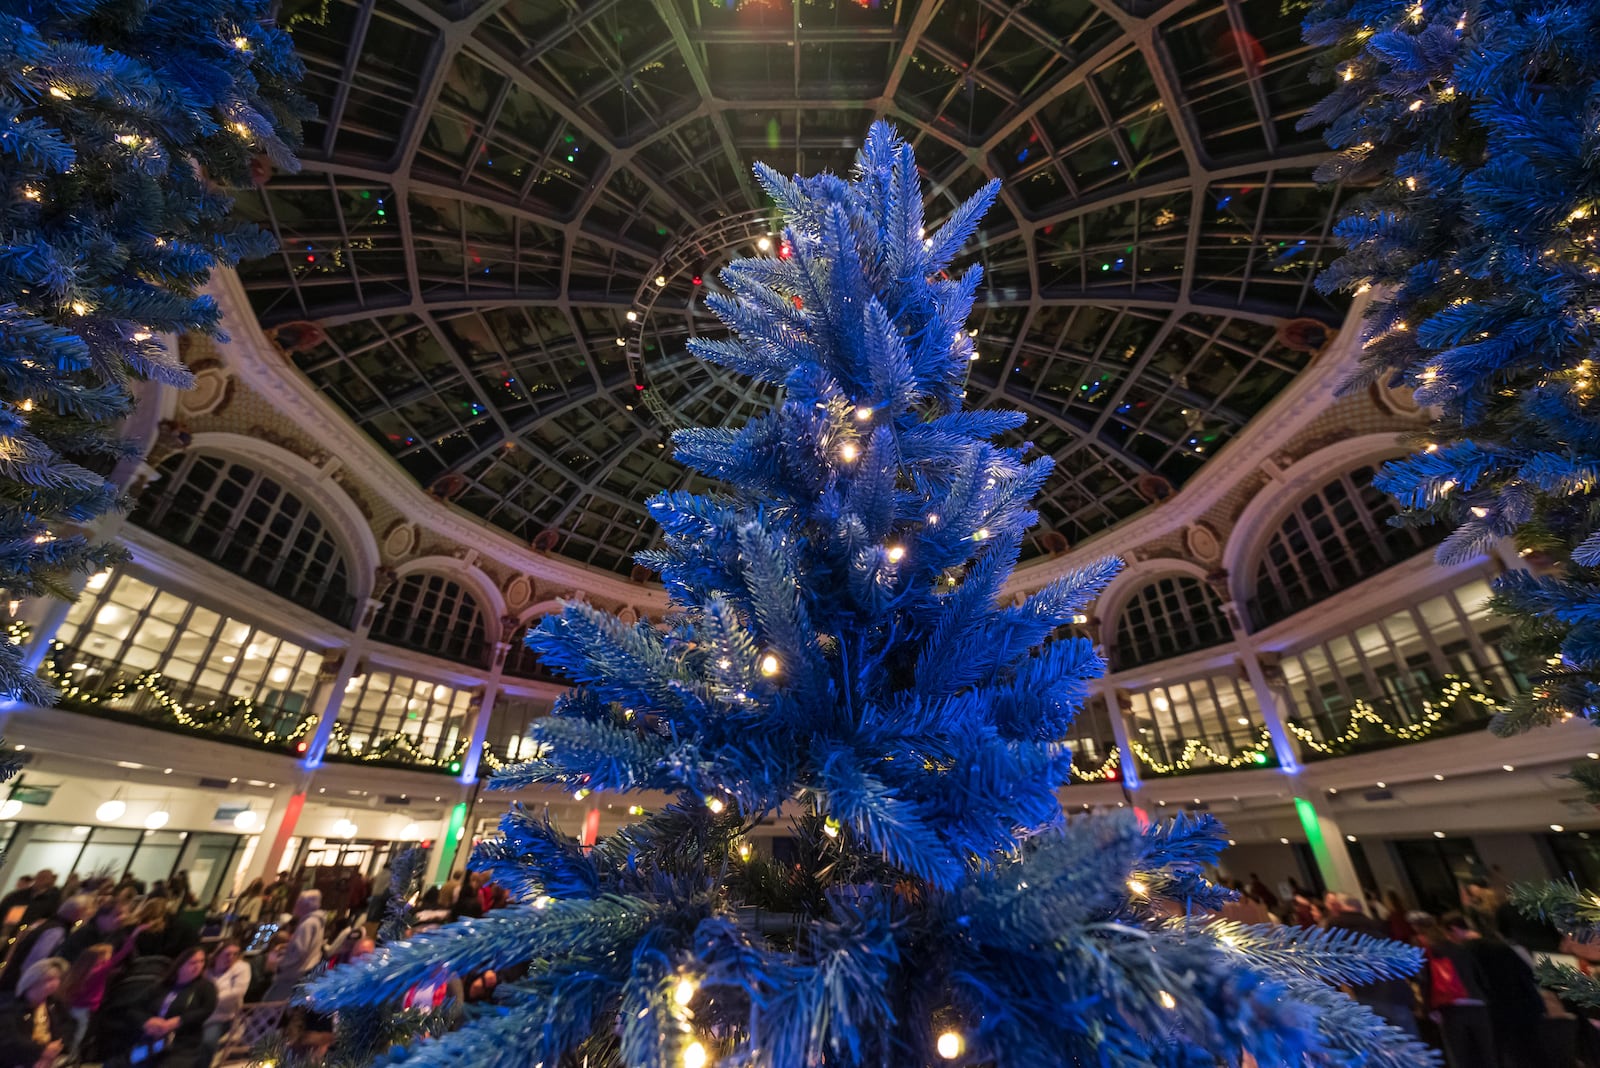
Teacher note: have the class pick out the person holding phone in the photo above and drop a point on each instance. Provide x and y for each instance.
(173, 1033)
(35, 1026)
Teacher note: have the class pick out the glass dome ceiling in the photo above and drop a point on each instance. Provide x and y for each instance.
(494, 185)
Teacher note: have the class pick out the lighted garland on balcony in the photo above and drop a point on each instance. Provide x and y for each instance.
(1106, 772)
(1256, 755)
(397, 746)
(204, 718)
(1433, 711)
(489, 760)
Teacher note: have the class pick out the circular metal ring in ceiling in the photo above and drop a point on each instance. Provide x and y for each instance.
(492, 180)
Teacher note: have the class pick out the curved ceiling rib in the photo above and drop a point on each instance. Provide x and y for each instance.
(492, 181)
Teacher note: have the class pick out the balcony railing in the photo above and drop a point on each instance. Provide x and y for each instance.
(1409, 713)
(1189, 755)
(100, 687)
(396, 749)
(282, 720)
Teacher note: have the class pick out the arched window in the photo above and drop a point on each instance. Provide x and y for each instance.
(431, 614)
(249, 523)
(1332, 540)
(1169, 617)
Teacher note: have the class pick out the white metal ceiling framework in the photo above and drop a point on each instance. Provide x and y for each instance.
(493, 185)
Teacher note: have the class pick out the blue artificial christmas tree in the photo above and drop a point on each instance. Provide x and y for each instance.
(122, 125)
(1476, 127)
(841, 656)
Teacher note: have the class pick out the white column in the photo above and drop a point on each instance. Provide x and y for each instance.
(282, 818)
(1126, 759)
(1283, 743)
(331, 699)
(445, 856)
(480, 724)
(1327, 842)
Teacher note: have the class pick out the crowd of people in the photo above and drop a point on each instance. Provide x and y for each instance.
(111, 972)
(124, 975)
(118, 974)
(1475, 997)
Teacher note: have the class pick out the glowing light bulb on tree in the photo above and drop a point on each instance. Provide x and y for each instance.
(950, 1045)
(848, 452)
(770, 665)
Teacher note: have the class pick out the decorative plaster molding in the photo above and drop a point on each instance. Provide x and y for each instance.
(519, 593)
(258, 365)
(213, 390)
(400, 540)
(1202, 543)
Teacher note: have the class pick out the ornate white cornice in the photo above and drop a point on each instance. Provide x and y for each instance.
(257, 363)
(1309, 394)
(259, 366)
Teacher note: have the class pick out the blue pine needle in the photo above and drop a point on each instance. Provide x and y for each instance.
(844, 655)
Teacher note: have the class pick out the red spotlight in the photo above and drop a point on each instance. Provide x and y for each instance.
(695, 279)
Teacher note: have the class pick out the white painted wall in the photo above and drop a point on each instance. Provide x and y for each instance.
(1270, 860)
(1513, 858)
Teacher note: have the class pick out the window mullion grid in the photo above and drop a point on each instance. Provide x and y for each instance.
(1169, 730)
(1315, 547)
(176, 481)
(1373, 539)
(239, 656)
(358, 710)
(1480, 653)
(1373, 686)
(237, 516)
(1224, 724)
(285, 556)
(1436, 656)
(170, 649)
(282, 704)
(139, 617)
(86, 628)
